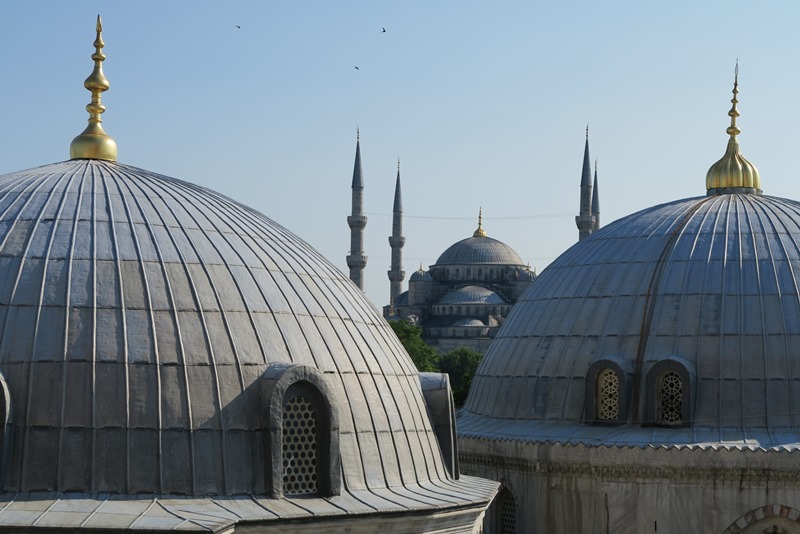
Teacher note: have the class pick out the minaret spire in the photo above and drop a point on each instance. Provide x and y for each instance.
(595, 200)
(585, 220)
(396, 241)
(356, 260)
(94, 142)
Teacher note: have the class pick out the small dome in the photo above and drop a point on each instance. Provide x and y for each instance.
(472, 295)
(527, 275)
(420, 276)
(469, 321)
(474, 250)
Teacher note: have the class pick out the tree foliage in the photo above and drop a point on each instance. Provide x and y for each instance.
(423, 356)
(460, 364)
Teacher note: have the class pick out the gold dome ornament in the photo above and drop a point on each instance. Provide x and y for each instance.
(733, 173)
(94, 142)
(480, 232)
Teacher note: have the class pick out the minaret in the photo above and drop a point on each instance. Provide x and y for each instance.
(396, 241)
(585, 220)
(356, 259)
(595, 201)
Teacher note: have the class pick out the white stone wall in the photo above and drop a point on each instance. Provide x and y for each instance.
(601, 490)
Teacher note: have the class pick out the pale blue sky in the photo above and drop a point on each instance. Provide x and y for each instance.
(485, 103)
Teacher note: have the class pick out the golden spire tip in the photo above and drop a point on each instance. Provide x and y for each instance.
(480, 232)
(94, 142)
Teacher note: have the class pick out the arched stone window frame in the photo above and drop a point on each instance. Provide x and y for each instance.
(622, 368)
(5, 429)
(685, 370)
(278, 382)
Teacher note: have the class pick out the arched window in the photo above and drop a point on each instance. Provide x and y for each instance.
(469, 272)
(301, 425)
(607, 390)
(669, 399)
(480, 272)
(458, 273)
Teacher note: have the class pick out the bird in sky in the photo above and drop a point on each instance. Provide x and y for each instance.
(356, 67)
(383, 30)
(238, 27)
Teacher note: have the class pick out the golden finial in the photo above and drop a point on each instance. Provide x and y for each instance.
(94, 142)
(733, 171)
(480, 232)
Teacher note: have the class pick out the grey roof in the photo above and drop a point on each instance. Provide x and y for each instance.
(398, 195)
(586, 172)
(402, 299)
(471, 295)
(475, 250)
(138, 314)
(712, 280)
(104, 512)
(358, 176)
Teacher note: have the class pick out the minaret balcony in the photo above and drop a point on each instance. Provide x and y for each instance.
(356, 260)
(398, 241)
(356, 221)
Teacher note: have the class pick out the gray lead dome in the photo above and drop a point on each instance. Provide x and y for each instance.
(707, 285)
(138, 316)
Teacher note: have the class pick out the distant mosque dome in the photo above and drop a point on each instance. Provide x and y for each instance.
(420, 276)
(476, 250)
(660, 349)
(472, 295)
(159, 338)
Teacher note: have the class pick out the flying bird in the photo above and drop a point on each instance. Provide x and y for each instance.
(238, 27)
(356, 67)
(383, 30)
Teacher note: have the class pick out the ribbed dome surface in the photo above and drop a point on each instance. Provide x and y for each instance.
(479, 250)
(472, 295)
(712, 280)
(138, 313)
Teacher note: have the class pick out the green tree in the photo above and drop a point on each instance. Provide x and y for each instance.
(460, 364)
(423, 356)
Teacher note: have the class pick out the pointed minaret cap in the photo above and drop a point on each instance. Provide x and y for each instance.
(480, 232)
(94, 142)
(733, 173)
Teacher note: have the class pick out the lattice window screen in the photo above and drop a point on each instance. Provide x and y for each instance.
(671, 398)
(607, 395)
(507, 513)
(299, 447)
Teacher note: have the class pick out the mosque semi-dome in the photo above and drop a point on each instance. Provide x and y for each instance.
(472, 295)
(166, 351)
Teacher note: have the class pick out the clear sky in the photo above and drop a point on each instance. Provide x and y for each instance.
(485, 103)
